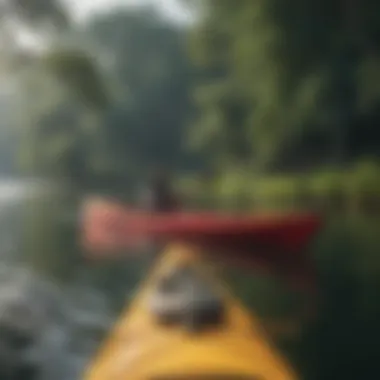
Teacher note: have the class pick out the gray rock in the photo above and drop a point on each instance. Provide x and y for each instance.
(50, 329)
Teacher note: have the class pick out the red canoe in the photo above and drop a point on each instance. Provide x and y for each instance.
(275, 240)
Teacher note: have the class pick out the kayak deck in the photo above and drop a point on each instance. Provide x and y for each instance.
(142, 348)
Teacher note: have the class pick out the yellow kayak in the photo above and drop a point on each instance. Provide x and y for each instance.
(141, 347)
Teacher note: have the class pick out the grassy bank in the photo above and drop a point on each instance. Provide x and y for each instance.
(355, 189)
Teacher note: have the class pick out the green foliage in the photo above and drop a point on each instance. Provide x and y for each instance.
(368, 83)
(355, 189)
(147, 122)
(300, 69)
(76, 69)
(365, 177)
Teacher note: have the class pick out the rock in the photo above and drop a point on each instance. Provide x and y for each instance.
(47, 332)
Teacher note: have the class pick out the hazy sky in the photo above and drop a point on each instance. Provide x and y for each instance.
(83, 9)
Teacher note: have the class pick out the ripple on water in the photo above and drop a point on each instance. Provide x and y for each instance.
(62, 324)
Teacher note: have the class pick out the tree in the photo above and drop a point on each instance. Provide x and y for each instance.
(53, 138)
(146, 124)
(295, 65)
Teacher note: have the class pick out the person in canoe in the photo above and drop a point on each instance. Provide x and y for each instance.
(159, 195)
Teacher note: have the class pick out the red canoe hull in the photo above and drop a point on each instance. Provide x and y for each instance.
(275, 241)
